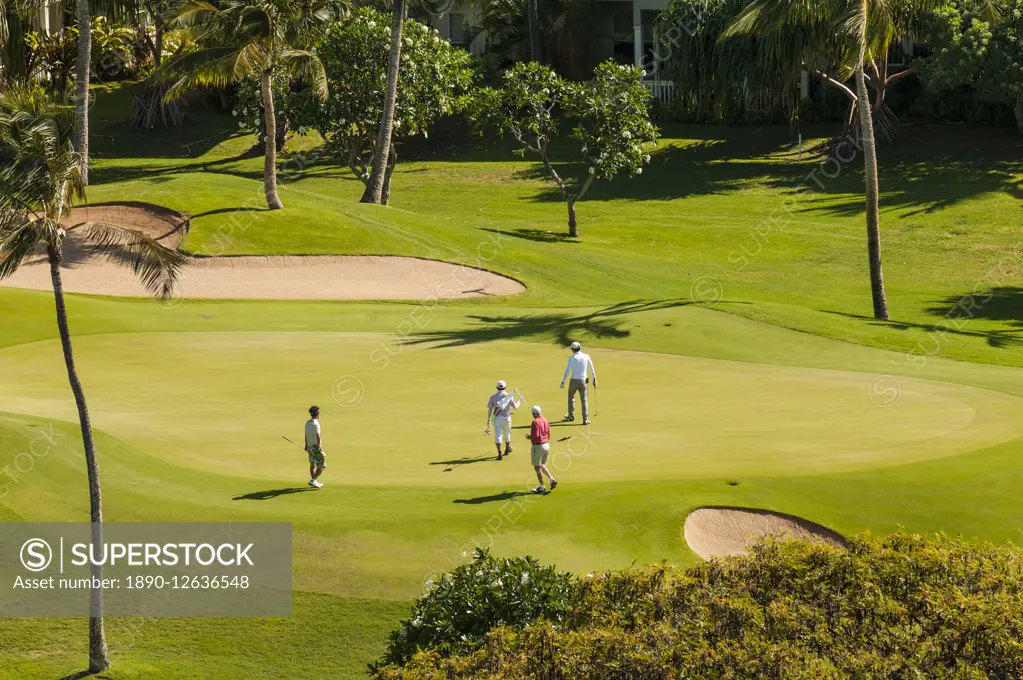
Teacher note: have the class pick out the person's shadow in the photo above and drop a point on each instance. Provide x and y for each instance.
(272, 493)
(503, 496)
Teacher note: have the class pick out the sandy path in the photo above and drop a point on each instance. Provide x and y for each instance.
(722, 532)
(294, 277)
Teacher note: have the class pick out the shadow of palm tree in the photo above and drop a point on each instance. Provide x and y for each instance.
(998, 338)
(536, 235)
(503, 496)
(272, 493)
(563, 327)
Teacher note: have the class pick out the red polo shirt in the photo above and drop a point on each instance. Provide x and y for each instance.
(540, 431)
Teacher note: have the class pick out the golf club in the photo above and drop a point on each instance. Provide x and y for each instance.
(594, 401)
(291, 442)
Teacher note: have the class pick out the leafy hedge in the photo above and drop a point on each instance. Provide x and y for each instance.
(899, 608)
(463, 605)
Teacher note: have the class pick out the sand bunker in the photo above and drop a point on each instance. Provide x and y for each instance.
(328, 277)
(722, 532)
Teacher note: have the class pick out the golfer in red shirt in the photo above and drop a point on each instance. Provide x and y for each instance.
(540, 436)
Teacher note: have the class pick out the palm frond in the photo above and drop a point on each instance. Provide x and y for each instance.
(156, 265)
(212, 67)
(307, 66)
(19, 238)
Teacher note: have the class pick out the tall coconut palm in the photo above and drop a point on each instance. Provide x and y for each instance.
(382, 151)
(41, 177)
(83, 72)
(846, 37)
(243, 38)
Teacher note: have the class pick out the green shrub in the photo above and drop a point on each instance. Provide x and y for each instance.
(459, 609)
(896, 608)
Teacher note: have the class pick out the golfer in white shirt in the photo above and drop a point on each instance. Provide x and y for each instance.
(579, 365)
(499, 408)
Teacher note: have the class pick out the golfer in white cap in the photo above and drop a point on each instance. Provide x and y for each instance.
(579, 365)
(499, 408)
(540, 436)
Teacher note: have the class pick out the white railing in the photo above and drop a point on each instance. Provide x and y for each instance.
(662, 90)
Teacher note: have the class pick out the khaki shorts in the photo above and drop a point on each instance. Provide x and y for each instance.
(538, 455)
(317, 457)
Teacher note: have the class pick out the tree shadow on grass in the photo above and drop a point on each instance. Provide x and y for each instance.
(563, 327)
(953, 324)
(83, 674)
(493, 498)
(536, 235)
(272, 493)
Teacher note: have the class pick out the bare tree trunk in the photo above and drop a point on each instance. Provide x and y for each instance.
(533, 21)
(273, 201)
(158, 42)
(375, 188)
(1018, 111)
(391, 162)
(83, 73)
(873, 210)
(99, 657)
(573, 228)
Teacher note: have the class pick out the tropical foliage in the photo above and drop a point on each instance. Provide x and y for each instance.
(461, 607)
(242, 38)
(433, 75)
(611, 114)
(978, 43)
(904, 606)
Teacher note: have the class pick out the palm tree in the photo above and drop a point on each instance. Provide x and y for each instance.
(382, 152)
(846, 37)
(533, 19)
(40, 180)
(83, 71)
(244, 38)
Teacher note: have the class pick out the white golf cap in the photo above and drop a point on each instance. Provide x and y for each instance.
(501, 384)
(536, 408)
(576, 345)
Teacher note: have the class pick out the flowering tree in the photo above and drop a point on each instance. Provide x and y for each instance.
(611, 113)
(355, 52)
(978, 43)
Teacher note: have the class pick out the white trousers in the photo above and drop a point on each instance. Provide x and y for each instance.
(502, 427)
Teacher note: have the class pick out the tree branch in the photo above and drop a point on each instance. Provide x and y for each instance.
(586, 186)
(834, 83)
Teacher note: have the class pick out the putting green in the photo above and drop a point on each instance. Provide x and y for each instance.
(413, 414)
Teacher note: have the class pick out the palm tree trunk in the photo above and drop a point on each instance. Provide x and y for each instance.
(84, 69)
(375, 188)
(533, 20)
(99, 658)
(873, 210)
(273, 201)
(392, 161)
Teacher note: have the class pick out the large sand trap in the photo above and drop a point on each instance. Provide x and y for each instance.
(313, 277)
(722, 532)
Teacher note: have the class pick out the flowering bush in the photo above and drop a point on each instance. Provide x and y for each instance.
(612, 117)
(355, 53)
(465, 603)
(978, 43)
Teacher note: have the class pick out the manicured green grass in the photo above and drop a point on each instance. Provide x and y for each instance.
(783, 396)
